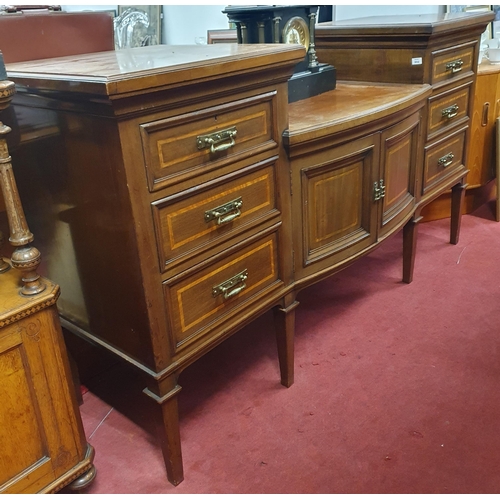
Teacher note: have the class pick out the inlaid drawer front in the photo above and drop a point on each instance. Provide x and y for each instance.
(448, 110)
(195, 220)
(451, 63)
(443, 159)
(197, 301)
(181, 147)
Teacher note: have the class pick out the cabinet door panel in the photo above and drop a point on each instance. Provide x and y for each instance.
(24, 455)
(481, 144)
(36, 406)
(399, 162)
(337, 199)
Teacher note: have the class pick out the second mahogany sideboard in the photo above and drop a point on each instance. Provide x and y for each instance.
(176, 195)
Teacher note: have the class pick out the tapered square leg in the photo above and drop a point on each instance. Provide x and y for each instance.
(409, 248)
(284, 319)
(168, 431)
(457, 205)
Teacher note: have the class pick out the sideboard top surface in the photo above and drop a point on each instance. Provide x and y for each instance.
(422, 24)
(128, 70)
(349, 105)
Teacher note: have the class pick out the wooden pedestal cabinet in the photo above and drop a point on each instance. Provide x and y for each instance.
(168, 201)
(440, 50)
(481, 145)
(43, 446)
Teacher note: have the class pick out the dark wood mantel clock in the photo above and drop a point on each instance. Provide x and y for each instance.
(287, 24)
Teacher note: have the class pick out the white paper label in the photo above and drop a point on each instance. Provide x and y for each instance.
(415, 61)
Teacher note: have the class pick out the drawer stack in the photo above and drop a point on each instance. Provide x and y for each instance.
(214, 175)
(452, 78)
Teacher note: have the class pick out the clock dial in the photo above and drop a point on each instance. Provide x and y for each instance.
(296, 31)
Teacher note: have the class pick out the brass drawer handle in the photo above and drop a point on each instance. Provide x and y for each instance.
(446, 160)
(450, 112)
(455, 66)
(222, 213)
(228, 287)
(216, 141)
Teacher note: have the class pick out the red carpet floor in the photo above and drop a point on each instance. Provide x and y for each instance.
(396, 387)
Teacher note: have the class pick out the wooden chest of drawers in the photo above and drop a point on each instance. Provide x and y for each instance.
(440, 50)
(168, 186)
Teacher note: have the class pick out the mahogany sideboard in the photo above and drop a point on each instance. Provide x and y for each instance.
(184, 197)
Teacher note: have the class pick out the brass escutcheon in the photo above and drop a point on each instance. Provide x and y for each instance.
(378, 190)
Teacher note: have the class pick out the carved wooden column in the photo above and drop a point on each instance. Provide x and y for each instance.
(25, 257)
(32, 349)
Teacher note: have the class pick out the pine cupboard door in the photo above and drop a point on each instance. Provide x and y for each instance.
(400, 158)
(336, 192)
(37, 418)
(486, 110)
